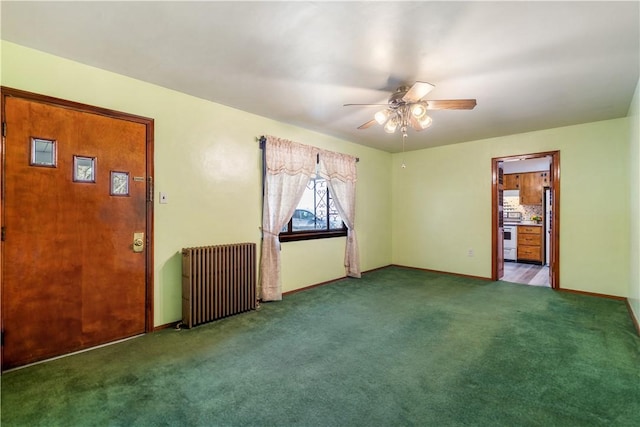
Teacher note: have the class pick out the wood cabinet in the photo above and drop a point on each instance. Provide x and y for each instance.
(546, 179)
(511, 181)
(530, 243)
(530, 188)
(530, 184)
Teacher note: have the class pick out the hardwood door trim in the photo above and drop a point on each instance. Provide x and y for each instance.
(554, 264)
(6, 92)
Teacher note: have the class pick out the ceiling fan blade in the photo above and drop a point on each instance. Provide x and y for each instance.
(364, 105)
(417, 91)
(451, 104)
(367, 125)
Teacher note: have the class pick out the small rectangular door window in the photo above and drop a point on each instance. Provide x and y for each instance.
(43, 152)
(119, 183)
(84, 169)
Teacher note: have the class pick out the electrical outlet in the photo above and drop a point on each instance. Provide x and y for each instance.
(164, 199)
(470, 252)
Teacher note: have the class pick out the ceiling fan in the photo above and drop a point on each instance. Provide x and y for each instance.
(407, 108)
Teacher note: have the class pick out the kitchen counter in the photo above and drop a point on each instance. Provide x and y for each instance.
(527, 223)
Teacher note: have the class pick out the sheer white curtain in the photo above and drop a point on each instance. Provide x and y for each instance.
(340, 172)
(289, 166)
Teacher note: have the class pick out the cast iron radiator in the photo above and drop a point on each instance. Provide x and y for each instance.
(217, 281)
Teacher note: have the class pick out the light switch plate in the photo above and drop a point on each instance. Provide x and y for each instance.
(164, 199)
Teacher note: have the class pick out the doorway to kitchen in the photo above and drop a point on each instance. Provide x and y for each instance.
(525, 219)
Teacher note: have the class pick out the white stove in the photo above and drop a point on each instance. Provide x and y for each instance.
(510, 227)
(510, 242)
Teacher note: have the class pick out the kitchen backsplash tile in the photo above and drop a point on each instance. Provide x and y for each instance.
(530, 210)
(512, 204)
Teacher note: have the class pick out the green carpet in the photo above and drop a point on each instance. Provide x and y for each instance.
(398, 347)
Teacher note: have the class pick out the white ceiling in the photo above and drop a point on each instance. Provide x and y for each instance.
(530, 65)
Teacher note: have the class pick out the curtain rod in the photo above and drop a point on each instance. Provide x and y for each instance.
(262, 139)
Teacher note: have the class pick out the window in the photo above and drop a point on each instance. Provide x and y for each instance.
(119, 183)
(43, 152)
(84, 169)
(316, 215)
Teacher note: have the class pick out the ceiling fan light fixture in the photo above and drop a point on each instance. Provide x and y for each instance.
(382, 116)
(391, 125)
(425, 121)
(419, 110)
(406, 109)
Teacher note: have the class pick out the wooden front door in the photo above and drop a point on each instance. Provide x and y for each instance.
(75, 191)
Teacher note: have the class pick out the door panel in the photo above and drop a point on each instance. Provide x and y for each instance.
(500, 225)
(551, 221)
(70, 277)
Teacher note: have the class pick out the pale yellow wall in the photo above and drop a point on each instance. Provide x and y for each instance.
(634, 142)
(439, 207)
(207, 160)
(442, 204)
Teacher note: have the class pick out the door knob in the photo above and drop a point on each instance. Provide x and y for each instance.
(138, 242)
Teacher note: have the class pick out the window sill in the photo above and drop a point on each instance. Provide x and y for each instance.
(292, 237)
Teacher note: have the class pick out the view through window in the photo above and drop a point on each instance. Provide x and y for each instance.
(315, 216)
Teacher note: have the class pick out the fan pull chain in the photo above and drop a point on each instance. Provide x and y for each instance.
(404, 136)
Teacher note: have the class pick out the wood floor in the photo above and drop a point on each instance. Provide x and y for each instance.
(528, 274)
